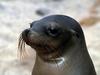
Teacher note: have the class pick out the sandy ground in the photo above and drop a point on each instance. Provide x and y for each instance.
(15, 16)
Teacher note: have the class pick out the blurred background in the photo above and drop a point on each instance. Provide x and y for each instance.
(16, 15)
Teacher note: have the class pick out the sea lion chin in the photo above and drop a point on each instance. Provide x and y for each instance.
(60, 47)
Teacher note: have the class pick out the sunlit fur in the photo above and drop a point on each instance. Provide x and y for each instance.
(21, 47)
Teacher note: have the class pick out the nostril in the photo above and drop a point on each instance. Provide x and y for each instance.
(27, 31)
(25, 35)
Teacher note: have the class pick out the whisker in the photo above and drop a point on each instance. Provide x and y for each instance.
(20, 39)
(21, 48)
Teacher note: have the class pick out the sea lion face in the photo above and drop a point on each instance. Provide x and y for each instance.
(47, 36)
(59, 41)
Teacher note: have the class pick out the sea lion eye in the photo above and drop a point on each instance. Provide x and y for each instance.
(53, 31)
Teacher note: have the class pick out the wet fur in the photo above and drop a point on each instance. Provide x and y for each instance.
(56, 46)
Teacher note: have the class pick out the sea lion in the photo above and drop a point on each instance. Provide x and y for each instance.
(60, 47)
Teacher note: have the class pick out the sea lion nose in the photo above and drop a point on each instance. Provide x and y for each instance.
(25, 33)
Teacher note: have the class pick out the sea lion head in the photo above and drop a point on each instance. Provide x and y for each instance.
(50, 35)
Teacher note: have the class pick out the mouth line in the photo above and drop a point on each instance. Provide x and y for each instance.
(42, 48)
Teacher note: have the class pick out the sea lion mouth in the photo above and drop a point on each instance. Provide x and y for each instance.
(42, 48)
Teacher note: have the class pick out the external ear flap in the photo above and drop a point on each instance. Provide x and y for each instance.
(75, 33)
(31, 24)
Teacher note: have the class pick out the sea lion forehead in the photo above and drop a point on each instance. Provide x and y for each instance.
(51, 19)
(58, 18)
(63, 21)
(47, 22)
(54, 20)
(66, 21)
(55, 17)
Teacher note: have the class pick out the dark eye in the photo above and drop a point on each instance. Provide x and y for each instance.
(53, 31)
